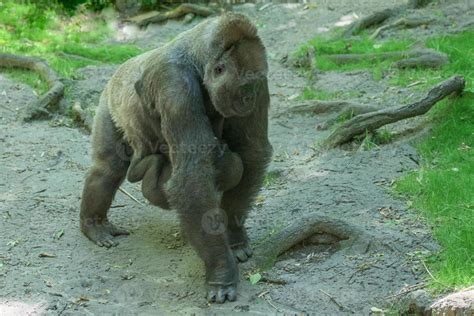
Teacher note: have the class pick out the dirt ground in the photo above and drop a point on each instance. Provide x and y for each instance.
(48, 266)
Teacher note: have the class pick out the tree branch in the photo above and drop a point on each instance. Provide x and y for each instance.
(373, 120)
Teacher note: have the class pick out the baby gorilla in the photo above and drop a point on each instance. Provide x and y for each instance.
(155, 170)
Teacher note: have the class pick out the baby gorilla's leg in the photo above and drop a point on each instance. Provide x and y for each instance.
(153, 171)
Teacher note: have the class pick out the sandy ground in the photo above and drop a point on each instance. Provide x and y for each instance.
(48, 266)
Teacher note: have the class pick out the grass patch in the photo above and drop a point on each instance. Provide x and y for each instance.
(271, 178)
(371, 141)
(311, 94)
(47, 32)
(28, 77)
(327, 46)
(443, 188)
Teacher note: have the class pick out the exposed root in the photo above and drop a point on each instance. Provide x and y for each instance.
(403, 22)
(305, 227)
(341, 59)
(84, 117)
(183, 9)
(380, 17)
(416, 4)
(320, 107)
(51, 98)
(374, 19)
(430, 60)
(373, 120)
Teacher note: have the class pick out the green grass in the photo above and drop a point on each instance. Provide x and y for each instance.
(30, 78)
(329, 46)
(271, 178)
(47, 32)
(443, 188)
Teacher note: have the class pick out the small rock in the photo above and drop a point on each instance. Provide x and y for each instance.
(188, 18)
(417, 302)
(86, 283)
(459, 303)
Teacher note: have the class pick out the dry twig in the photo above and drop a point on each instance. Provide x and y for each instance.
(332, 299)
(130, 196)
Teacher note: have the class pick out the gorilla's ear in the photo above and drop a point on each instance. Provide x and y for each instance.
(145, 88)
(230, 29)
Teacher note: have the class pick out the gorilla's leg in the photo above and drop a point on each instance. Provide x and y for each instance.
(103, 180)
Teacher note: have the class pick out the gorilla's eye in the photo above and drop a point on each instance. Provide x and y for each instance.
(219, 69)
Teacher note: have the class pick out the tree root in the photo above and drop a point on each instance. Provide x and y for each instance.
(403, 22)
(325, 107)
(374, 19)
(429, 60)
(421, 55)
(380, 17)
(156, 17)
(51, 98)
(416, 4)
(373, 120)
(84, 117)
(352, 238)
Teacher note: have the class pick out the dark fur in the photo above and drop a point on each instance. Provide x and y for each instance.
(163, 108)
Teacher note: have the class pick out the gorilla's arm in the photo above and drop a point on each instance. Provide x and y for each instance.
(192, 189)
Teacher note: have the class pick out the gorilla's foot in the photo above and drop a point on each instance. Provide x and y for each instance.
(102, 233)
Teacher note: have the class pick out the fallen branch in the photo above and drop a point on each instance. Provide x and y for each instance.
(183, 9)
(373, 120)
(403, 22)
(51, 97)
(302, 229)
